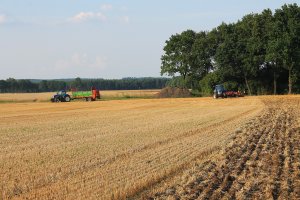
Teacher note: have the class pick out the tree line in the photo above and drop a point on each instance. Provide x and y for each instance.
(13, 85)
(260, 54)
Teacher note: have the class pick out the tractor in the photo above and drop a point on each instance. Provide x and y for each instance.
(220, 91)
(61, 96)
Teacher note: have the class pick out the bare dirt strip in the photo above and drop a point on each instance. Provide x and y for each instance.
(262, 161)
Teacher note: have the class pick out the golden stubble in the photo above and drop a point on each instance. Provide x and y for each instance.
(110, 149)
(105, 94)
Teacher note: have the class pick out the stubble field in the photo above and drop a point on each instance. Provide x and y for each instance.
(150, 148)
(46, 96)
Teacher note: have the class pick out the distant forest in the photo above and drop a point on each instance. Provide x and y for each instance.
(259, 53)
(14, 86)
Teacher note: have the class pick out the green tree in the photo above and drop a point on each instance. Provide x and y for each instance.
(202, 56)
(3, 86)
(43, 86)
(208, 82)
(178, 54)
(26, 86)
(258, 52)
(77, 83)
(240, 52)
(12, 84)
(231, 54)
(273, 57)
(287, 21)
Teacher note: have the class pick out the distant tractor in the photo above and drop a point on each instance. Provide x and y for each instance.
(62, 95)
(220, 91)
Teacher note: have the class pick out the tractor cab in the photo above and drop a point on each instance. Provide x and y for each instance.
(219, 91)
(61, 93)
(61, 96)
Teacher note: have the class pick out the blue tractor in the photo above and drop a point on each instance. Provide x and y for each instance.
(61, 96)
(219, 91)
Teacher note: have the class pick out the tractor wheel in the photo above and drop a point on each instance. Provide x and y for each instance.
(90, 99)
(56, 100)
(67, 99)
(215, 96)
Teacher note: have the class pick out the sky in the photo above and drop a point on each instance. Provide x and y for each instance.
(52, 39)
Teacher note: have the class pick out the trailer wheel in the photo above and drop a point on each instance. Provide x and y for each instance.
(90, 99)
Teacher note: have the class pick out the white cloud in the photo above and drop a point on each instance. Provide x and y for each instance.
(106, 7)
(86, 16)
(3, 19)
(124, 19)
(101, 15)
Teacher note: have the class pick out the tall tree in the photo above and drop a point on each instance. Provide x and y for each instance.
(287, 21)
(3, 86)
(232, 56)
(77, 83)
(178, 54)
(12, 84)
(43, 86)
(202, 55)
(273, 56)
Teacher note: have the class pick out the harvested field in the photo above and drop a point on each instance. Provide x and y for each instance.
(128, 93)
(192, 148)
(262, 161)
(46, 96)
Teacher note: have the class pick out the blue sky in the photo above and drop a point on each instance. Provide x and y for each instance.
(103, 39)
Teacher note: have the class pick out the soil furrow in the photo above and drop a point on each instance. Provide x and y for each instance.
(262, 161)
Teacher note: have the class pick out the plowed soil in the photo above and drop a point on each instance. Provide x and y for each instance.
(262, 161)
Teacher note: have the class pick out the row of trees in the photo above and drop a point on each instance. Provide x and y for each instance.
(259, 53)
(13, 85)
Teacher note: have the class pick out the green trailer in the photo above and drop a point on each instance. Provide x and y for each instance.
(87, 95)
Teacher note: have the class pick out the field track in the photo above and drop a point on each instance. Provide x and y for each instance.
(263, 161)
(154, 148)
